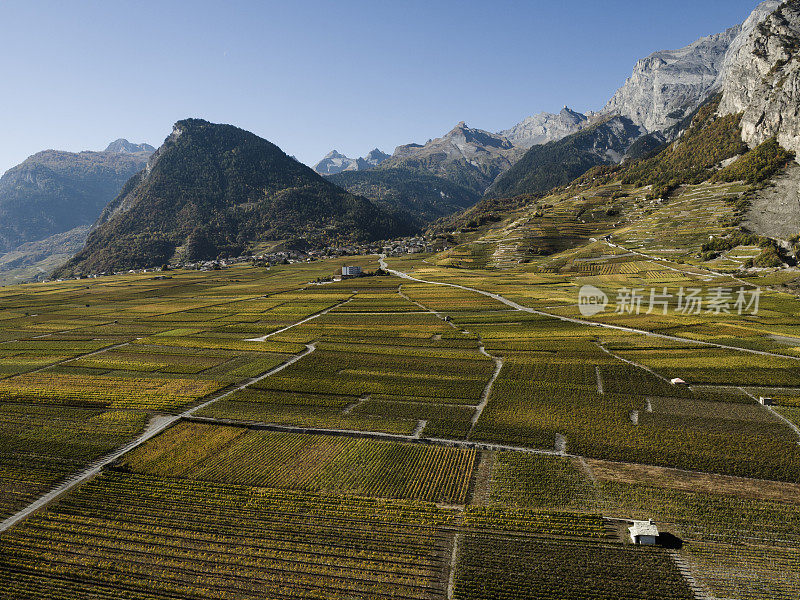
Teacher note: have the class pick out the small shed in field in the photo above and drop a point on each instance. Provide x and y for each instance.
(644, 533)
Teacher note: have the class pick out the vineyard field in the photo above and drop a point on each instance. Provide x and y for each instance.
(497, 568)
(238, 543)
(305, 462)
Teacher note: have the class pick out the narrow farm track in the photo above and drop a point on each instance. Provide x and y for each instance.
(577, 321)
(451, 580)
(498, 361)
(156, 426)
(700, 592)
(775, 413)
(599, 377)
(487, 391)
(625, 360)
(264, 338)
(371, 435)
(87, 355)
(425, 308)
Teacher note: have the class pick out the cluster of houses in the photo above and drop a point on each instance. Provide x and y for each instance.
(410, 245)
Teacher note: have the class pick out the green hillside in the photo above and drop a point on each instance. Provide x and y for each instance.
(421, 194)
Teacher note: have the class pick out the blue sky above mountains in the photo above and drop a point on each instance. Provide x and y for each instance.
(313, 75)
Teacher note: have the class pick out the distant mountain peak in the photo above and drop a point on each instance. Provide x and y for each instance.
(335, 162)
(545, 127)
(468, 157)
(123, 146)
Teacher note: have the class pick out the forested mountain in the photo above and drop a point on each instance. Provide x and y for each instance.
(557, 163)
(214, 190)
(424, 196)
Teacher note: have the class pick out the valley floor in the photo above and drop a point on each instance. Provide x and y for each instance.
(436, 433)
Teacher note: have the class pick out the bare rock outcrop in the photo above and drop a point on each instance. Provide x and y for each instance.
(545, 127)
(668, 85)
(762, 79)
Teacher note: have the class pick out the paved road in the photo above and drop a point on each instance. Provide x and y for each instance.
(577, 321)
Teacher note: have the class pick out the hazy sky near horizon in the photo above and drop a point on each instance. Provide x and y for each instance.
(312, 75)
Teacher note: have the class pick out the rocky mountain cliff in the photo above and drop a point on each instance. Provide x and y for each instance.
(214, 190)
(123, 146)
(469, 157)
(545, 127)
(373, 159)
(54, 191)
(762, 80)
(668, 85)
(335, 162)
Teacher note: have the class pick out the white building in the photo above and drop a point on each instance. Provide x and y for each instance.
(348, 271)
(644, 533)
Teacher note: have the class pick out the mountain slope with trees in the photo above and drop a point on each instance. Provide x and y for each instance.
(557, 163)
(215, 190)
(422, 195)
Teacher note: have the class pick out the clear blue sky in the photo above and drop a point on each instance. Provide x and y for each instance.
(315, 75)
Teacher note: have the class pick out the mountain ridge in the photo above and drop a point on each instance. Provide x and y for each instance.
(469, 157)
(334, 162)
(214, 190)
(123, 146)
(54, 191)
(545, 127)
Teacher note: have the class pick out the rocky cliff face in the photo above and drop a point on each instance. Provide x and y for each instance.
(334, 162)
(123, 146)
(373, 159)
(54, 191)
(668, 85)
(762, 79)
(545, 127)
